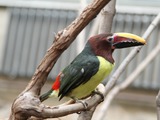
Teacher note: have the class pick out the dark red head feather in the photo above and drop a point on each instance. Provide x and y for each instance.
(101, 46)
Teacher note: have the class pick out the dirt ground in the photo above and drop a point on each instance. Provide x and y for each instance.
(127, 106)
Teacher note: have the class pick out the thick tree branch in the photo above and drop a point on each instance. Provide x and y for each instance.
(122, 67)
(87, 115)
(30, 107)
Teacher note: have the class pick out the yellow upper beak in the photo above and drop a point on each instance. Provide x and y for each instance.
(131, 36)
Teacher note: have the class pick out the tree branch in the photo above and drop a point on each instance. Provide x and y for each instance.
(122, 67)
(106, 17)
(30, 107)
(87, 115)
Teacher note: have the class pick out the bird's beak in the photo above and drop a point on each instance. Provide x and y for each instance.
(123, 40)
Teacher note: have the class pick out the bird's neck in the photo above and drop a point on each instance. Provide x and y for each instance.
(100, 50)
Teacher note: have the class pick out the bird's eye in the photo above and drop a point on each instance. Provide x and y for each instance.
(110, 39)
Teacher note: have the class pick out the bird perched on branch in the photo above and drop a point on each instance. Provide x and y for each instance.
(79, 79)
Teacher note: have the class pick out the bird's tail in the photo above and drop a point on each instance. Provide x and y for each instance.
(49, 94)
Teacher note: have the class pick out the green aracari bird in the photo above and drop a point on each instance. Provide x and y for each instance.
(95, 62)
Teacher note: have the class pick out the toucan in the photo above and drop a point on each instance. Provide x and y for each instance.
(80, 78)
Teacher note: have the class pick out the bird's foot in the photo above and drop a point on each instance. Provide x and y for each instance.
(82, 102)
(96, 91)
(100, 90)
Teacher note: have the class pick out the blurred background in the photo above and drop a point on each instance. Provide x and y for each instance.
(28, 28)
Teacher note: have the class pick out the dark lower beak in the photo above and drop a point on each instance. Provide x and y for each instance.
(124, 40)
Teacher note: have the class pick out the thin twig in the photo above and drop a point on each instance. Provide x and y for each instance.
(124, 64)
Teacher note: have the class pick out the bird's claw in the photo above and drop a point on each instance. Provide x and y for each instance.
(98, 93)
(81, 101)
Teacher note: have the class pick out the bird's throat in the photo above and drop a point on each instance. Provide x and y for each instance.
(102, 50)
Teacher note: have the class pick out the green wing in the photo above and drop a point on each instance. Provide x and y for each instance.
(77, 73)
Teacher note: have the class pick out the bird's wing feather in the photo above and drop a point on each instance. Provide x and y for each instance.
(78, 72)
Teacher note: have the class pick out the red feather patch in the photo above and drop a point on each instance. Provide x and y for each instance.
(56, 84)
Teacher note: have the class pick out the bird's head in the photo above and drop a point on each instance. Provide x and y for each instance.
(118, 40)
(105, 44)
